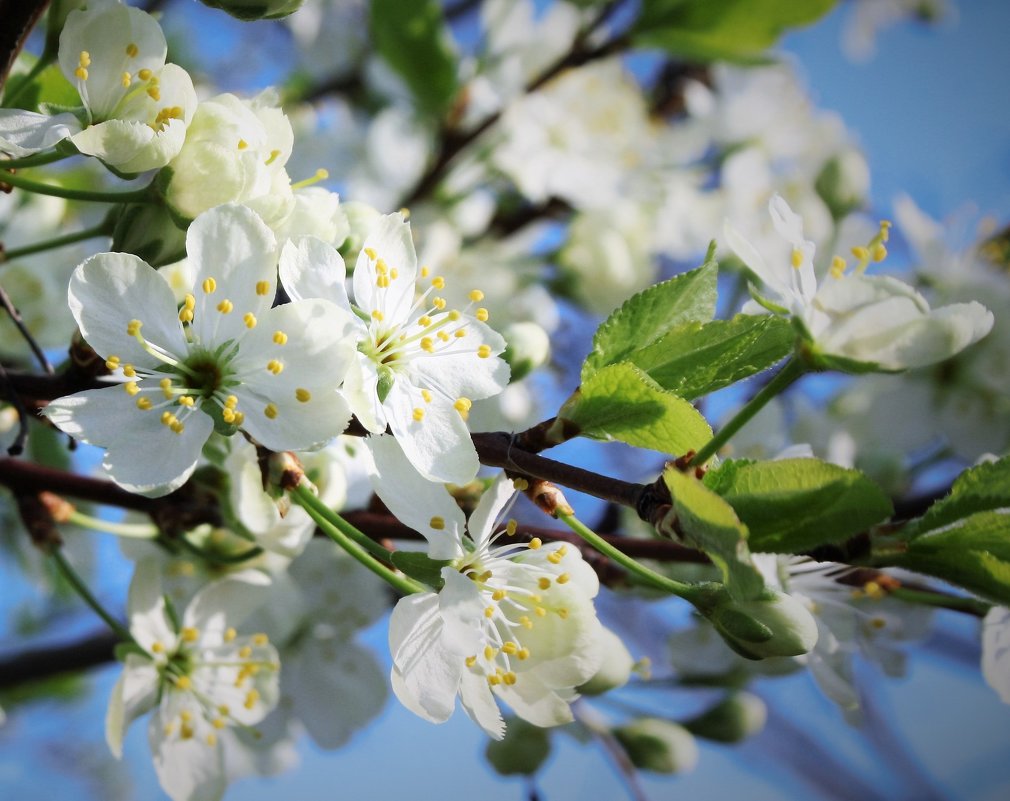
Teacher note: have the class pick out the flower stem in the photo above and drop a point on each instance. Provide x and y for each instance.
(308, 501)
(789, 373)
(971, 606)
(81, 588)
(346, 528)
(139, 531)
(144, 195)
(34, 160)
(672, 586)
(220, 558)
(102, 229)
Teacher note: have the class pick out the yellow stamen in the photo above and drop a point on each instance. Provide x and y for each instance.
(303, 395)
(476, 295)
(131, 388)
(418, 414)
(132, 50)
(262, 287)
(544, 583)
(437, 523)
(133, 327)
(438, 282)
(484, 351)
(796, 258)
(250, 320)
(482, 315)
(270, 411)
(225, 306)
(563, 578)
(184, 683)
(536, 543)
(275, 366)
(280, 338)
(209, 285)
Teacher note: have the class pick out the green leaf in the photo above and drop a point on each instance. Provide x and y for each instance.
(50, 87)
(648, 316)
(621, 402)
(794, 505)
(973, 553)
(413, 39)
(980, 488)
(711, 525)
(420, 567)
(725, 30)
(696, 358)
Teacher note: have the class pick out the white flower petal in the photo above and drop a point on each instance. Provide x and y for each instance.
(391, 242)
(188, 770)
(281, 422)
(145, 606)
(535, 703)
(131, 146)
(489, 508)
(25, 132)
(456, 370)
(479, 703)
(439, 445)
(310, 268)
(227, 602)
(996, 651)
(135, 692)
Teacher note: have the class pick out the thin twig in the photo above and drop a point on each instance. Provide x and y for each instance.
(19, 323)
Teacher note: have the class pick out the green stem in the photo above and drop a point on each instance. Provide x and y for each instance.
(34, 160)
(791, 371)
(405, 586)
(140, 531)
(678, 588)
(220, 558)
(137, 196)
(102, 229)
(347, 529)
(971, 606)
(81, 588)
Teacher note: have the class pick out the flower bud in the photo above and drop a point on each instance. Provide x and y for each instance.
(658, 745)
(521, 752)
(361, 218)
(615, 669)
(255, 9)
(844, 182)
(528, 348)
(735, 718)
(774, 624)
(147, 230)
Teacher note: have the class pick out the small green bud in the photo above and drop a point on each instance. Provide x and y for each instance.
(615, 669)
(149, 231)
(658, 745)
(774, 624)
(844, 183)
(521, 752)
(528, 348)
(735, 718)
(248, 10)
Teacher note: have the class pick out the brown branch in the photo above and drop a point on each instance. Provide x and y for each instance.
(36, 664)
(19, 17)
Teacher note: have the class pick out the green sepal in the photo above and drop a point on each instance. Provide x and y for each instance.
(385, 383)
(420, 567)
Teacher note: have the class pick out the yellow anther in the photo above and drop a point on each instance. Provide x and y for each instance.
(378, 315)
(249, 319)
(143, 404)
(186, 731)
(509, 678)
(525, 622)
(470, 661)
(186, 716)
(425, 271)
(438, 303)
(262, 287)
(231, 402)
(185, 315)
(275, 366)
(187, 401)
(167, 418)
(489, 652)
(873, 590)
(381, 268)
(555, 557)
(225, 306)
(426, 395)
(132, 50)
(454, 315)
(244, 652)
(242, 144)
(154, 93)
(145, 74)
(228, 416)
(444, 337)
(190, 634)
(885, 230)
(511, 526)
(482, 315)
(382, 281)
(563, 578)
(133, 327)
(521, 484)
(861, 253)
(219, 723)
(270, 411)
(509, 648)
(272, 157)
(424, 321)
(796, 258)
(224, 709)
(125, 79)
(484, 351)
(259, 640)
(131, 388)
(523, 653)
(536, 543)
(211, 739)
(229, 635)
(239, 418)
(370, 252)
(280, 338)
(251, 698)
(562, 613)
(427, 344)
(190, 301)
(489, 612)
(84, 59)
(463, 405)
(81, 73)
(302, 395)
(394, 273)
(485, 576)
(494, 680)
(498, 595)
(438, 282)
(879, 253)
(437, 523)
(476, 295)
(112, 363)
(878, 622)
(418, 414)
(129, 371)
(544, 583)
(838, 266)
(166, 387)
(157, 648)
(184, 683)
(209, 285)
(541, 612)
(460, 333)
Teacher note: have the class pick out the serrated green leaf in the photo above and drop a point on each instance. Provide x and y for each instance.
(727, 30)
(420, 567)
(973, 552)
(695, 358)
(621, 402)
(413, 39)
(710, 524)
(651, 314)
(980, 488)
(794, 505)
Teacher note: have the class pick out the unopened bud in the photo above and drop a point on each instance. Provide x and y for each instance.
(528, 348)
(774, 624)
(658, 745)
(147, 230)
(615, 669)
(255, 9)
(735, 718)
(844, 183)
(521, 752)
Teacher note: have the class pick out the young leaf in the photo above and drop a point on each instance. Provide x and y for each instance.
(980, 488)
(731, 30)
(648, 316)
(413, 40)
(621, 402)
(695, 358)
(708, 523)
(794, 505)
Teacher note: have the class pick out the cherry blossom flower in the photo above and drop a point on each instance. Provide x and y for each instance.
(420, 365)
(223, 361)
(515, 621)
